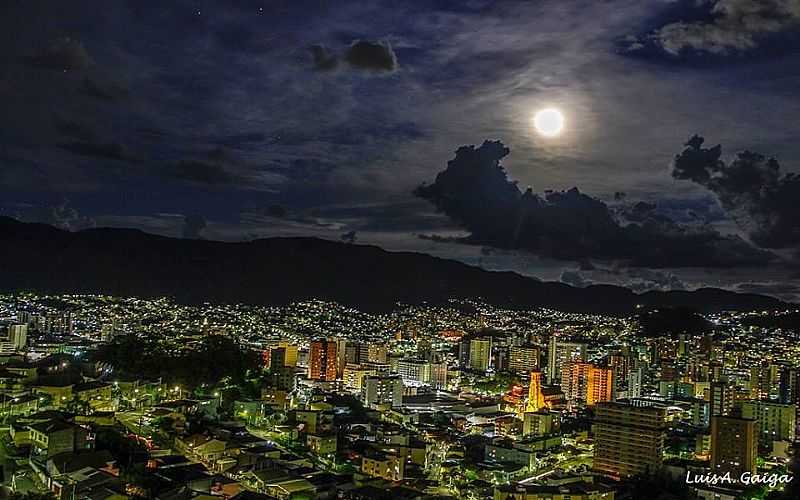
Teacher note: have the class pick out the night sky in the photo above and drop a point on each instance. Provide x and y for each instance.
(409, 125)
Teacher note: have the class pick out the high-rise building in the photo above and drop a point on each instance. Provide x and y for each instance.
(721, 398)
(734, 446)
(382, 390)
(635, 382)
(480, 354)
(585, 383)
(439, 375)
(282, 378)
(377, 353)
(629, 440)
(275, 358)
(322, 360)
(559, 353)
(356, 353)
(535, 395)
(16, 341)
(789, 385)
(18, 335)
(354, 375)
(774, 421)
(414, 371)
(539, 423)
(600, 385)
(291, 354)
(523, 358)
(764, 379)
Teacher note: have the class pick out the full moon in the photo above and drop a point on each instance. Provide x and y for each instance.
(549, 122)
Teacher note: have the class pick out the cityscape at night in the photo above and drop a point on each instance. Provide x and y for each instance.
(399, 250)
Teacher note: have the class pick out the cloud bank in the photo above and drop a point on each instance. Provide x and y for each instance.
(474, 190)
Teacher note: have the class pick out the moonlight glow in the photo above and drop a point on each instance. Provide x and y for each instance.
(549, 122)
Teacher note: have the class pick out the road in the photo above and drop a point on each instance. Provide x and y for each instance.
(582, 459)
(134, 421)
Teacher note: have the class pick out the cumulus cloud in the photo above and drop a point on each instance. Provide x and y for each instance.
(375, 56)
(193, 226)
(731, 26)
(61, 54)
(751, 188)
(474, 190)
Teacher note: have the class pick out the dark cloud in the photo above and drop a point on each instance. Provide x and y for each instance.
(278, 211)
(239, 141)
(205, 172)
(750, 188)
(221, 168)
(637, 279)
(349, 237)
(74, 130)
(375, 56)
(107, 91)
(324, 59)
(193, 226)
(639, 211)
(574, 278)
(61, 54)
(770, 288)
(718, 27)
(474, 190)
(109, 151)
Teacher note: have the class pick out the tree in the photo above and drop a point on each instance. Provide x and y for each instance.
(31, 495)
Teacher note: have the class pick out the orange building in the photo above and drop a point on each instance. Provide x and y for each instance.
(322, 360)
(585, 383)
(600, 384)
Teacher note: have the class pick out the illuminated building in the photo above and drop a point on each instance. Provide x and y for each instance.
(535, 396)
(539, 423)
(599, 386)
(721, 396)
(377, 353)
(291, 354)
(523, 358)
(734, 446)
(382, 390)
(480, 354)
(354, 375)
(414, 371)
(629, 440)
(322, 360)
(586, 383)
(559, 353)
(774, 421)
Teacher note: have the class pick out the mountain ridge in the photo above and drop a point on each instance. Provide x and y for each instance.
(130, 262)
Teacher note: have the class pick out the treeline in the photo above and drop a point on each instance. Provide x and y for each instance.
(212, 359)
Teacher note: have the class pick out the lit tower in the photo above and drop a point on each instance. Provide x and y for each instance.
(535, 396)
